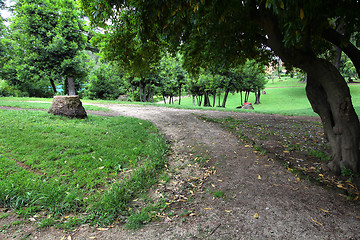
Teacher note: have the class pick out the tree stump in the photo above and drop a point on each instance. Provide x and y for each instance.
(69, 106)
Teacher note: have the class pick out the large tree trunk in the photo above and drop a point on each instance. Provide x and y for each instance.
(330, 97)
(328, 94)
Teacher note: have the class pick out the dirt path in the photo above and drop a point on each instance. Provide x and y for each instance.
(262, 200)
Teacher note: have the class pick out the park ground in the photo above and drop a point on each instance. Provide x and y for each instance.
(232, 184)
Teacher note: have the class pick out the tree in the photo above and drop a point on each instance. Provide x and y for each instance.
(222, 33)
(106, 83)
(46, 43)
(252, 79)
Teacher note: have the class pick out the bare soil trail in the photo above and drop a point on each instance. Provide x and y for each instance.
(262, 200)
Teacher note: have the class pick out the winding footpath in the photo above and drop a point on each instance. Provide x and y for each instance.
(262, 199)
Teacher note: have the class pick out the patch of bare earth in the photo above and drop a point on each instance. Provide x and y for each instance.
(262, 199)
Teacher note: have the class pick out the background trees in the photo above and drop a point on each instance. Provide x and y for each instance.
(44, 46)
(224, 33)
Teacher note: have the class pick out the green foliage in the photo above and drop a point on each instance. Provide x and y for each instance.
(68, 166)
(43, 46)
(106, 83)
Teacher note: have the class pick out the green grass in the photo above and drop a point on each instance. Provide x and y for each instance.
(284, 82)
(69, 166)
(38, 103)
(285, 101)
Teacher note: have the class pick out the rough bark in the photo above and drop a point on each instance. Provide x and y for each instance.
(69, 106)
(71, 86)
(328, 94)
(330, 98)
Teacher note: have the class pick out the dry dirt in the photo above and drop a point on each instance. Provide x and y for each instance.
(262, 199)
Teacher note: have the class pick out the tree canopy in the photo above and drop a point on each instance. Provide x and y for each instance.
(223, 33)
(43, 45)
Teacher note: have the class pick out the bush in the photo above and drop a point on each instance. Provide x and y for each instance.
(105, 84)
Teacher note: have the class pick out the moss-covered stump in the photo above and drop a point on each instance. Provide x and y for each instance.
(69, 106)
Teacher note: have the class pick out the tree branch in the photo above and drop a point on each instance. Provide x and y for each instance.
(345, 45)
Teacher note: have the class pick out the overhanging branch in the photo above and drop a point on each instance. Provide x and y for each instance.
(345, 45)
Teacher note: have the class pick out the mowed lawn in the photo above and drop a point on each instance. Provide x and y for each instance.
(287, 97)
(71, 171)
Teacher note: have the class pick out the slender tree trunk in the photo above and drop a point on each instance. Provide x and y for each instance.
(144, 93)
(164, 99)
(71, 86)
(193, 100)
(199, 100)
(132, 92)
(214, 100)
(219, 98)
(337, 57)
(225, 98)
(180, 95)
(53, 85)
(241, 98)
(257, 97)
(140, 92)
(206, 100)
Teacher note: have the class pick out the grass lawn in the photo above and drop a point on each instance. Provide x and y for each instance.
(71, 171)
(37, 103)
(290, 100)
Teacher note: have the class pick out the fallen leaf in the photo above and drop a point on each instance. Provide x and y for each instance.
(213, 185)
(324, 210)
(207, 208)
(101, 167)
(256, 215)
(317, 222)
(228, 211)
(286, 151)
(259, 177)
(102, 229)
(92, 237)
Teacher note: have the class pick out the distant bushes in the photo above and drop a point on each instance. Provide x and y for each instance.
(105, 84)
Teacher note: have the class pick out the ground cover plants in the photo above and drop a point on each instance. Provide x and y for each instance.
(65, 172)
